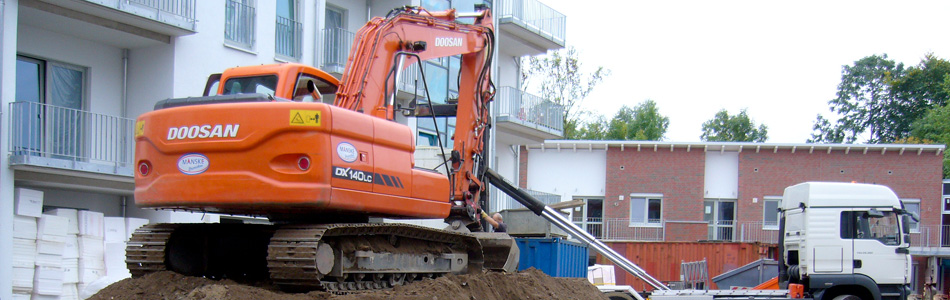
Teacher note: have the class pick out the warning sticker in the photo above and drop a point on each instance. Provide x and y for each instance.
(139, 128)
(304, 117)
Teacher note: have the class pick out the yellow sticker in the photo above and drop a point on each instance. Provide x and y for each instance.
(304, 117)
(139, 128)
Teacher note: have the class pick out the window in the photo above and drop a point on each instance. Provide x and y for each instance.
(646, 210)
(239, 20)
(250, 85)
(337, 41)
(307, 84)
(48, 114)
(289, 35)
(913, 205)
(446, 129)
(770, 214)
(863, 225)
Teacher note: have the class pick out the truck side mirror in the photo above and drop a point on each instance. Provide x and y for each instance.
(905, 224)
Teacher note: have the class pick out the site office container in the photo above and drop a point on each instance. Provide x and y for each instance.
(555, 256)
(662, 260)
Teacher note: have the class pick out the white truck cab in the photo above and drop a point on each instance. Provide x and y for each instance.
(845, 241)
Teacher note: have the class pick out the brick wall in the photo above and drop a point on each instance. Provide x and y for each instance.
(523, 168)
(677, 175)
(909, 175)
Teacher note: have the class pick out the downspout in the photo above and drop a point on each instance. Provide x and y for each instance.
(125, 83)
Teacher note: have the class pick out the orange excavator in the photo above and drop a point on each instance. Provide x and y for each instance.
(265, 144)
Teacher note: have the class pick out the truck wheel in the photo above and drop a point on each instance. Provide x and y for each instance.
(618, 296)
(847, 297)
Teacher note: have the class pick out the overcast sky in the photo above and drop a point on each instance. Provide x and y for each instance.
(781, 60)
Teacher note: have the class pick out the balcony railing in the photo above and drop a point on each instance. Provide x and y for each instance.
(64, 134)
(181, 8)
(930, 236)
(289, 38)
(535, 16)
(619, 229)
(336, 49)
(757, 231)
(501, 201)
(239, 24)
(178, 13)
(514, 104)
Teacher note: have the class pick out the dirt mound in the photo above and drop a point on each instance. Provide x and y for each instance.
(528, 284)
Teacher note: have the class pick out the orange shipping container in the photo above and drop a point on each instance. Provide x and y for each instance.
(662, 259)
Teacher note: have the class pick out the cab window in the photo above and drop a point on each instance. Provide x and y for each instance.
(307, 84)
(862, 225)
(266, 84)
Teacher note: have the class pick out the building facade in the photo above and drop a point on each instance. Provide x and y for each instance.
(687, 192)
(76, 74)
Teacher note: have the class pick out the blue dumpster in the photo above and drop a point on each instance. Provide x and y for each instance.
(556, 256)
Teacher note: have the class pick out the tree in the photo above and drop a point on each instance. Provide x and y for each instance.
(932, 128)
(921, 88)
(862, 100)
(643, 123)
(878, 100)
(593, 130)
(562, 81)
(728, 128)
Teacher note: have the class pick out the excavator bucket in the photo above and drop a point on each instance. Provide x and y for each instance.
(500, 251)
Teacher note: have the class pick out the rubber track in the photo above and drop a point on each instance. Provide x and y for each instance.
(292, 251)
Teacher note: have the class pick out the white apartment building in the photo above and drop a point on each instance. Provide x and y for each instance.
(76, 73)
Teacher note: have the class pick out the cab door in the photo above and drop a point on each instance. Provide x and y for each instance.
(876, 242)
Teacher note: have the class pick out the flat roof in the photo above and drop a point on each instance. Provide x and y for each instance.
(737, 146)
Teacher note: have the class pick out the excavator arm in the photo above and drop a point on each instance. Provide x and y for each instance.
(385, 47)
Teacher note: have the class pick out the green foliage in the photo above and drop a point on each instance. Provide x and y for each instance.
(932, 128)
(728, 128)
(878, 100)
(641, 123)
(561, 80)
(863, 99)
(593, 130)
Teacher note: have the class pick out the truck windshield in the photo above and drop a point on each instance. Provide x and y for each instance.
(884, 229)
(250, 85)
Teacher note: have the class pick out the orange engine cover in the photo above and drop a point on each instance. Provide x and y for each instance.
(269, 158)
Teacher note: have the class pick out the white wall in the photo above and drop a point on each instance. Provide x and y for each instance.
(508, 73)
(104, 63)
(568, 173)
(507, 162)
(8, 45)
(722, 175)
(150, 78)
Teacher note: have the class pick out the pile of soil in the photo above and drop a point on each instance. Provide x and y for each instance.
(528, 284)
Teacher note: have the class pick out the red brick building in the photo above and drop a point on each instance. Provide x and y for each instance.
(687, 192)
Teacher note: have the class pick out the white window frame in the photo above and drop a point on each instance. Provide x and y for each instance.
(765, 212)
(914, 229)
(646, 210)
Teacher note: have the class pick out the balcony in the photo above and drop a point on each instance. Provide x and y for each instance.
(499, 201)
(619, 229)
(289, 37)
(529, 27)
(336, 49)
(524, 118)
(62, 147)
(169, 17)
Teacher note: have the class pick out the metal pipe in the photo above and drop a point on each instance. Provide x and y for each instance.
(554, 217)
